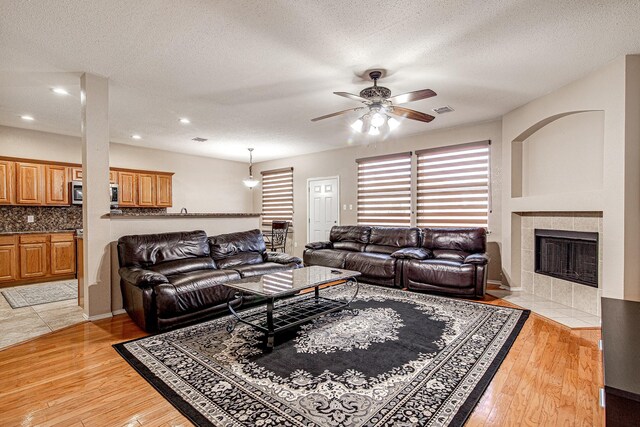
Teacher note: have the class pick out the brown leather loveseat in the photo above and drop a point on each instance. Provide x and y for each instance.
(449, 261)
(173, 279)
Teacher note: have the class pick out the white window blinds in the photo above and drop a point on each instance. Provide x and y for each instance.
(277, 196)
(384, 190)
(453, 186)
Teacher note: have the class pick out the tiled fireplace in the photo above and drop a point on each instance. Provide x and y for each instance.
(580, 296)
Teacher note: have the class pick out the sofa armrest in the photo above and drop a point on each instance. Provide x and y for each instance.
(478, 259)
(141, 277)
(282, 258)
(319, 245)
(412, 253)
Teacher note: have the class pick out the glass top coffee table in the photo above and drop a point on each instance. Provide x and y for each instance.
(289, 313)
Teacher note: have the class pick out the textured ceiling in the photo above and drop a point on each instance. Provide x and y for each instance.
(253, 73)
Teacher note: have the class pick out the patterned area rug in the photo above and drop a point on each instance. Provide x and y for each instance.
(404, 359)
(42, 293)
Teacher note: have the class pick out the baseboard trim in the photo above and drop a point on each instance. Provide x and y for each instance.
(119, 311)
(494, 282)
(97, 316)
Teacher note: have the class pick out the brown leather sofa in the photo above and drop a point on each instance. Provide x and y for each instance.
(173, 279)
(449, 261)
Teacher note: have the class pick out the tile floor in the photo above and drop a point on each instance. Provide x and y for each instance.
(567, 316)
(22, 324)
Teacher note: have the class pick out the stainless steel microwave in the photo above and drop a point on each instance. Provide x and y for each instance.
(76, 193)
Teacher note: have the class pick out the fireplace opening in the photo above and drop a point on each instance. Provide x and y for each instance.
(568, 255)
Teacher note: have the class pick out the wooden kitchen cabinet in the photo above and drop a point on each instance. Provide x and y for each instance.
(33, 256)
(128, 189)
(76, 174)
(56, 185)
(7, 182)
(8, 259)
(146, 190)
(29, 183)
(63, 254)
(164, 191)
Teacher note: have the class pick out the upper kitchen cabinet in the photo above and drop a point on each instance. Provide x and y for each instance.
(146, 190)
(128, 189)
(113, 177)
(30, 183)
(7, 182)
(164, 191)
(76, 174)
(56, 185)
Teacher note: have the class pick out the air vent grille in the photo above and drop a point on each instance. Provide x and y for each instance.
(198, 139)
(442, 110)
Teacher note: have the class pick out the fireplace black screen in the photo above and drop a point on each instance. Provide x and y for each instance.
(568, 255)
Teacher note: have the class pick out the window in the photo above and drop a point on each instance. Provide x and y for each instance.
(277, 196)
(453, 186)
(384, 190)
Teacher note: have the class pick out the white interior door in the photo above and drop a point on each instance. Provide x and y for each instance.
(324, 207)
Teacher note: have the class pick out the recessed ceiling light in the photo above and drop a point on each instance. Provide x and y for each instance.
(27, 118)
(185, 121)
(59, 91)
(136, 136)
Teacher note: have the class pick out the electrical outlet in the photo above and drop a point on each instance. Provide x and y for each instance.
(350, 207)
(295, 244)
(344, 207)
(30, 218)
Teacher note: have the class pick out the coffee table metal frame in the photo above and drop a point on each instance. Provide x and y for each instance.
(293, 312)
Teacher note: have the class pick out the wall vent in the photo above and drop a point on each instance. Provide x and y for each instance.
(442, 110)
(198, 139)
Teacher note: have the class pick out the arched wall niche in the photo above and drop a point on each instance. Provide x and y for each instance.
(560, 154)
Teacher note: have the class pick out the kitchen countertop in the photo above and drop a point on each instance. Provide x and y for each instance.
(4, 233)
(179, 215)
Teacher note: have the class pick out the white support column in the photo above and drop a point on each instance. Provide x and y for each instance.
(95, 183)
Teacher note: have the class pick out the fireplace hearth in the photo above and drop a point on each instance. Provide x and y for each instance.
(568, 255)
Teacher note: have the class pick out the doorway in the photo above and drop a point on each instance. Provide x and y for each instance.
(323, 207)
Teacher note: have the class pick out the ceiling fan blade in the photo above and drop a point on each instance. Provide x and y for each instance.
(336, 114)
(411, 114)
(352, 96)
(412, 96)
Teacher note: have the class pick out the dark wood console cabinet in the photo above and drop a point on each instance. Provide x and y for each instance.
(621, 358)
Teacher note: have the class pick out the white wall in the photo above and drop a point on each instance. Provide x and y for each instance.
(343, 163)
(201, 184)
(614, 91)
(565, 156)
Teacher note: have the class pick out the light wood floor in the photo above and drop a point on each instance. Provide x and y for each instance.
(73, 377)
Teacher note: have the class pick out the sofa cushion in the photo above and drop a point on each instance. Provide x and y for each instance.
(350, 246)
(440, 272)
(465, 239)
(350, 233)
(260, 269)
(183, 265)
(225, 245)
(326, 257)
(389, 239)
(188, 292)
(240, 259)
(457, 256)
(144, 250)
(371, 264)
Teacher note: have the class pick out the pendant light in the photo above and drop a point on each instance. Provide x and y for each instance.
(250, 182)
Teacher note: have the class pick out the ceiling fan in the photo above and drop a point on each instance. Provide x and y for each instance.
(379, 104)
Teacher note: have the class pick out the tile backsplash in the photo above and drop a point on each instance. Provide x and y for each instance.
(46, 218)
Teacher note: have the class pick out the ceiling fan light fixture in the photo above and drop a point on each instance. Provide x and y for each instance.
(393, 123)
(357, 125)
(374, 131)
(378, 119)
